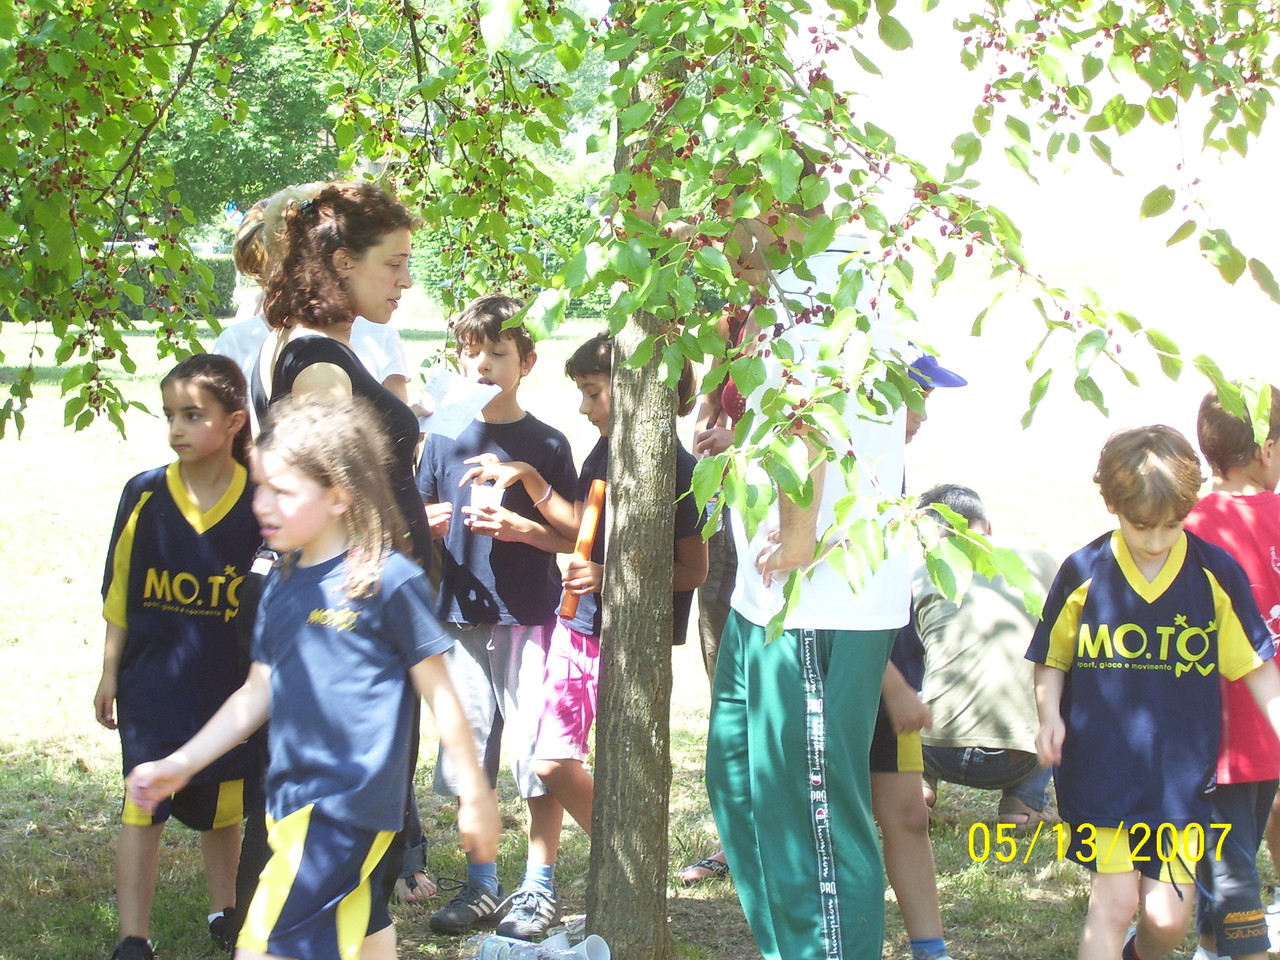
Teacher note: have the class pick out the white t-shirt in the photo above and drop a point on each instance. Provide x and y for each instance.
(826, 600)
(376, 344)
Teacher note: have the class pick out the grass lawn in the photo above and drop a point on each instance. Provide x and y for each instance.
(59, 772)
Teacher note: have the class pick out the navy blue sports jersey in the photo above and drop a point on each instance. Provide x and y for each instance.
(172, 582)
(342, 700)
(486, 580)
(688, 522)
(1141, 699)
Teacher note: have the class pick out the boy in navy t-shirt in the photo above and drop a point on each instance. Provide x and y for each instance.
(499, 587)
(1137, 628)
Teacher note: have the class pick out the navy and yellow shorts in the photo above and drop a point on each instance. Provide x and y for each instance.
(1166, 854)
(200, 806)
(321, 892)
(892, 752)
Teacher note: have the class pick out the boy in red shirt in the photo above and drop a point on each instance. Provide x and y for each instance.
(1241, 515)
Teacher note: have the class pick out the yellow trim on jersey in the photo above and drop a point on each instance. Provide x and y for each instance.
(201, 522)
(115, 605)
(1149, 590)
(1236, 655)
(1065, 631)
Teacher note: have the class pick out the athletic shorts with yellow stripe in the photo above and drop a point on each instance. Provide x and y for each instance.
(320, 895)
(200, 806)
(894, 753)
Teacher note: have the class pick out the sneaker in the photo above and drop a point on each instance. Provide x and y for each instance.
(221, 929)
(530, 912)
(472, 905)
(133, 948)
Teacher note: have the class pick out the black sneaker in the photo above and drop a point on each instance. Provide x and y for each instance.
(471, 906)
(530, 912)
(133, 948)
(222, 930)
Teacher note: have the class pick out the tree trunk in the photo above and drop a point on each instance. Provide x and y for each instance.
(627, 882)
(627, 889)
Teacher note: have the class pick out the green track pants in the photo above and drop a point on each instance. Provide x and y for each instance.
(790, 787)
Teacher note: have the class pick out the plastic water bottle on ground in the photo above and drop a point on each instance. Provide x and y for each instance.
(482, 947)
(508, 948)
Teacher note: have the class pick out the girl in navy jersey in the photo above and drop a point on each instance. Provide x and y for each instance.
(183, 540)
(344, 637)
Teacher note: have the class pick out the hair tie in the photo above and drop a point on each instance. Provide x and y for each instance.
(305, 205)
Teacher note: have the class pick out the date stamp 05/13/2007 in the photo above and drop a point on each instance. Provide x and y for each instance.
(1163, 841)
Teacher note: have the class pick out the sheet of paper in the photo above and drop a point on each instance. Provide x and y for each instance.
(455, 399)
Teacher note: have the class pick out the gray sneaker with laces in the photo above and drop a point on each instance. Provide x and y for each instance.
(530, 912)
(471, 906)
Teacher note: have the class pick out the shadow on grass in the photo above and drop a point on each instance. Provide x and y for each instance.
(58, 823)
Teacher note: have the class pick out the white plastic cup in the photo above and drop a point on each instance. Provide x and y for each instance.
(486, 495)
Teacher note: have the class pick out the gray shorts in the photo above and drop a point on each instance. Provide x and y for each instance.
(498, 673)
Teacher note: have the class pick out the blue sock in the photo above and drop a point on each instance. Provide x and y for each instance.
(483, 875)
(928, 948)
(540, 876)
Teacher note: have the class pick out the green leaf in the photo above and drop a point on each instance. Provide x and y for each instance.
(1018, 158)
(1087, 389)
(944, 270)
(748, 374)
(1019, 130)
(631, 259)
(1162, 109)
(1263, 277)
(1158, 201)
(894, 34)
(967, 148)
(1038, 390)
(1167, 351)
(634, 117)
(754, 140)
(497, 18)
(1011, 566)
(1188, 227)
(1217, 248)
(570, 56)
(1087, 350)
(1257, 399)
(864, 62)
(781, 170)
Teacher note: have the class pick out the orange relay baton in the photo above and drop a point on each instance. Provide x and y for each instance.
(586, 539)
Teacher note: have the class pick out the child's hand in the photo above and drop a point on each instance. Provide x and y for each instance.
(1049, 741)
(149, 783)
(104, 701)
(497, 522)
(583, 576)
(907, 712)
(438, 517)
(479, 825)
(489, 468)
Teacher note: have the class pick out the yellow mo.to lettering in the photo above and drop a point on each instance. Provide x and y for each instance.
(188, 590)
(1186, 645)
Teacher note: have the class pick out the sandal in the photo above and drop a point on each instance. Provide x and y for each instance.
(1017, 814)
(708, 868)
(414, 888)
